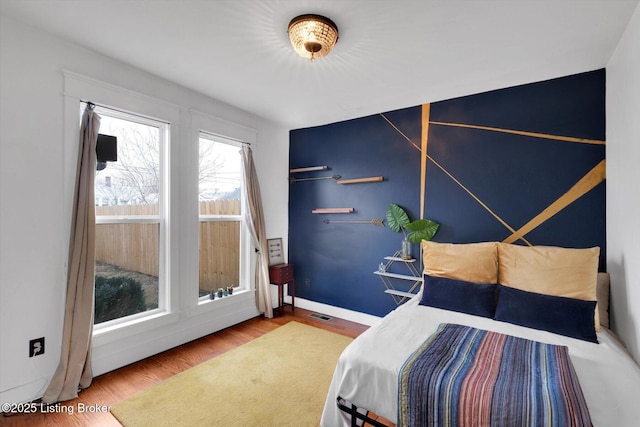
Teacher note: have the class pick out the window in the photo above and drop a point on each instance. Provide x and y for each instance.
(221, 229)
(130, 225)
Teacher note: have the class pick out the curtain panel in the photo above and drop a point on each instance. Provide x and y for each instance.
(74, 369)
(254, 218)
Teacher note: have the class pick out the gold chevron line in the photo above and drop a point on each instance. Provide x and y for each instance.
(594, 177)
(525, 133)
(426, 111)
(400, 132)
(487, 208)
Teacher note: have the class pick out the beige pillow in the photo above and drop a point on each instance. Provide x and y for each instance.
(472, 262)
(550, 270)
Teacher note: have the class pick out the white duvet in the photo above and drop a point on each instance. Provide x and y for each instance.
(367, 371)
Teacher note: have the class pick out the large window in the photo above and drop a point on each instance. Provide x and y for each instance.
(220, 233)
(130, 225)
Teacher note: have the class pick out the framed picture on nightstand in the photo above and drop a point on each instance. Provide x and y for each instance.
(276, 255)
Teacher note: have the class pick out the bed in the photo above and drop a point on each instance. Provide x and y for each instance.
(366, 375)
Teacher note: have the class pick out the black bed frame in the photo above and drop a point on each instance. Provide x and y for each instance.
(352, 410)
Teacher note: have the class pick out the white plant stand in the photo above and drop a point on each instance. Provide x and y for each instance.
(387, 278)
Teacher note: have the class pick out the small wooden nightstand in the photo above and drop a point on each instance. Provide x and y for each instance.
(281, 274)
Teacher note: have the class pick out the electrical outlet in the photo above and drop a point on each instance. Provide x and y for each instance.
(36, 347)
(307, 283)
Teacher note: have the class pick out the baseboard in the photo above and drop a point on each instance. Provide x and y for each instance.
(330, 310)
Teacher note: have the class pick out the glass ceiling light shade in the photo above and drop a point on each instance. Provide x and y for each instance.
(312, 36)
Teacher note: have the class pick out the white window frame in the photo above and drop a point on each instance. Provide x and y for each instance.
(159, 219)
(236, 134)
(243, 282)
(77, 88)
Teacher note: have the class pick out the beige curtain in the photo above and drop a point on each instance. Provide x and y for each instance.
(74, 370)
(254, 219)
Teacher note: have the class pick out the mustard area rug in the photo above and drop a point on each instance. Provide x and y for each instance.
(278, 379)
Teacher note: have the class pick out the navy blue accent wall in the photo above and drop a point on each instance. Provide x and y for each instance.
(475, 179)
(334, 263)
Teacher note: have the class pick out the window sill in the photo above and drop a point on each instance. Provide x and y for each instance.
(206, 305)
(206, 300)
(107, 334)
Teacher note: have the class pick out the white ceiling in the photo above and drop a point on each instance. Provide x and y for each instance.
(391, 54)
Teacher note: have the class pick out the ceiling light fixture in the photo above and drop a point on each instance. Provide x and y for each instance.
(312, 36)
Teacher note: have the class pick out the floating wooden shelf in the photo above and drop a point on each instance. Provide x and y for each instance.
(361, 180)
(309, 169)
(332, 210)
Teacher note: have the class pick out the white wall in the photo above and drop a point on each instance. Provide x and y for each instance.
(34, 194)
(623, 195)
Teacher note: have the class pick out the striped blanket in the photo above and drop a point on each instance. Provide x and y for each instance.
(463, 376)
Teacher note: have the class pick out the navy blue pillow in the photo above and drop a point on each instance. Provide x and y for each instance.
(564, 316)
(458, 295)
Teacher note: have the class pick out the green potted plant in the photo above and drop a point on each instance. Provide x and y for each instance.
(220, 292)
(413, 231)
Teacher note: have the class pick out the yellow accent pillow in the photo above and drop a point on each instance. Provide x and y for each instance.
(571, 273)
(471, 262)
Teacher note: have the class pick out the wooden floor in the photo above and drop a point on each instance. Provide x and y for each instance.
(110, 388)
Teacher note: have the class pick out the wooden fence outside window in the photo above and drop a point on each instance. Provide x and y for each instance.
(134, 247)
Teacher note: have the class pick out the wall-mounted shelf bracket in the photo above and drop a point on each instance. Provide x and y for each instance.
(379, 222)
(293, 180)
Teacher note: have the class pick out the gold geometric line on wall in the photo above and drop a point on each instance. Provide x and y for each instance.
(594, 177)
(525, 133)
(487, 208)
(426, 111)
(400, 132)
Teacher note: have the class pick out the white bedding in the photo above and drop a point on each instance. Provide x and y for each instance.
(367, 371)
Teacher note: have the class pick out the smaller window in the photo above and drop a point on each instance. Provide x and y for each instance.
(220, 210)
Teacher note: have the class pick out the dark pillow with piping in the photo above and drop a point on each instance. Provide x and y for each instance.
(570, 317)
(459, 295)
